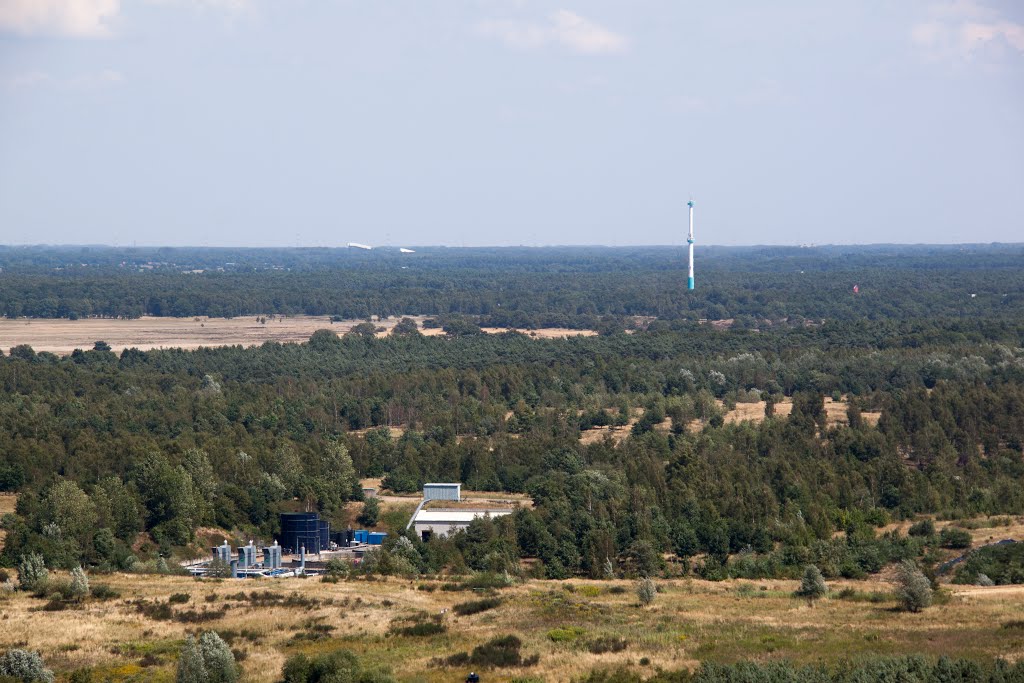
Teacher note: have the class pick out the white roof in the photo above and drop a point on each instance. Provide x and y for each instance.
(455, 516)
(435, 484)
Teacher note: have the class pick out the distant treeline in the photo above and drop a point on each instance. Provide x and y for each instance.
(517, 287)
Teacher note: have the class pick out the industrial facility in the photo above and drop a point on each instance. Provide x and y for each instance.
(429, 521)
(304, 547)
(306, 542)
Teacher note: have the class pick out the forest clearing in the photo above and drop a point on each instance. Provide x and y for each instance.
(62, 336)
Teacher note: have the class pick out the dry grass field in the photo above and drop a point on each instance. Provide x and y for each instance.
(690, 621)
(63, 336)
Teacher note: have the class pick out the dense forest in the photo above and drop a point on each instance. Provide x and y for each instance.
(109, 449)
(573, 287)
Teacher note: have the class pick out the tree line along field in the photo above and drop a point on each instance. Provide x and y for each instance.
(886, 433)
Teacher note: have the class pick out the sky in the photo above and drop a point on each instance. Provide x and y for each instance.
(479, 122)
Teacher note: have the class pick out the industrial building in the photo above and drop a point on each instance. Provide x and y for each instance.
(430, 523)
(442, 492)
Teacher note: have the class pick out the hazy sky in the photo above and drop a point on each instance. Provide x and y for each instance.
(265, 122)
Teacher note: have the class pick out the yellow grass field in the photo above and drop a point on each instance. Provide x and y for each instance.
(63, 336)
(690, 621)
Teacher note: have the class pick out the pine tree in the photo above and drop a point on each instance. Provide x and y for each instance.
(812, 586)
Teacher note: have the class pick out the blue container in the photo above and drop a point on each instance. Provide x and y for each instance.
(376, 538)
(361, 535)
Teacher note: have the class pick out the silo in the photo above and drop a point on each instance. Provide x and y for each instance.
(300, 529)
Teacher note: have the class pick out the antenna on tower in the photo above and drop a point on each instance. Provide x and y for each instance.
(689, 241)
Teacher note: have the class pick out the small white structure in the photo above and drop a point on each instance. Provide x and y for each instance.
(430, 523)
(442, 492)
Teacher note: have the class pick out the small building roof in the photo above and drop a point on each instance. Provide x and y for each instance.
(455, 516)
(457, 485)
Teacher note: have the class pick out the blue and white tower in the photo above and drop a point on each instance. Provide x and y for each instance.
(689, 240)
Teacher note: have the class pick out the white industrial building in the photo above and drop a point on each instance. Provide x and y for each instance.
(435, 491)
(429, 523)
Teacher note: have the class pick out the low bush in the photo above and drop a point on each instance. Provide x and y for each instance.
(341, 665)
(500, 652)
(420, 629)
(476, 606)
(954, 538)
(101, 591)
(926, 527)
(568, 634)
(599, 646)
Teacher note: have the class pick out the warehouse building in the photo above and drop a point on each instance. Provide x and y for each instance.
(429, 523)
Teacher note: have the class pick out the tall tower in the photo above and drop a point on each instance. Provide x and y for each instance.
(689, 240)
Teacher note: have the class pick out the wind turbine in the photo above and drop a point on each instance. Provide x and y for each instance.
(689, 240)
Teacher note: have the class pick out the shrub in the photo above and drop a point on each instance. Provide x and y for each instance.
(646, 590)
(191, 668)
(503, 651)
(565, 635)
(476, 606)
(370, 513)
(423, 628)
(79, 583)
(341, 665)
(599, 646)
(179, 598)
(812, 585)
(913, 589)
(218, 659)
(24, 666)
(955, 538)
(983, 580)
(925, 527)
(32, 573)
(101, 591)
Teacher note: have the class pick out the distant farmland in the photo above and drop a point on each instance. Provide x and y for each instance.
(62, 336)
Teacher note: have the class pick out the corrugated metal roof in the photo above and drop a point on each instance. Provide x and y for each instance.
(449, 516)
(442, 484)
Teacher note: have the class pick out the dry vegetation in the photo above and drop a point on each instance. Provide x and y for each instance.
(835, 412)
(689, 621)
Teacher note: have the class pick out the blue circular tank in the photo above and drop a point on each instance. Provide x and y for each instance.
(300, 529)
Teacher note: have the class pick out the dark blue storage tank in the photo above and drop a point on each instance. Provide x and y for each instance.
(300, 529)
(325, 534)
